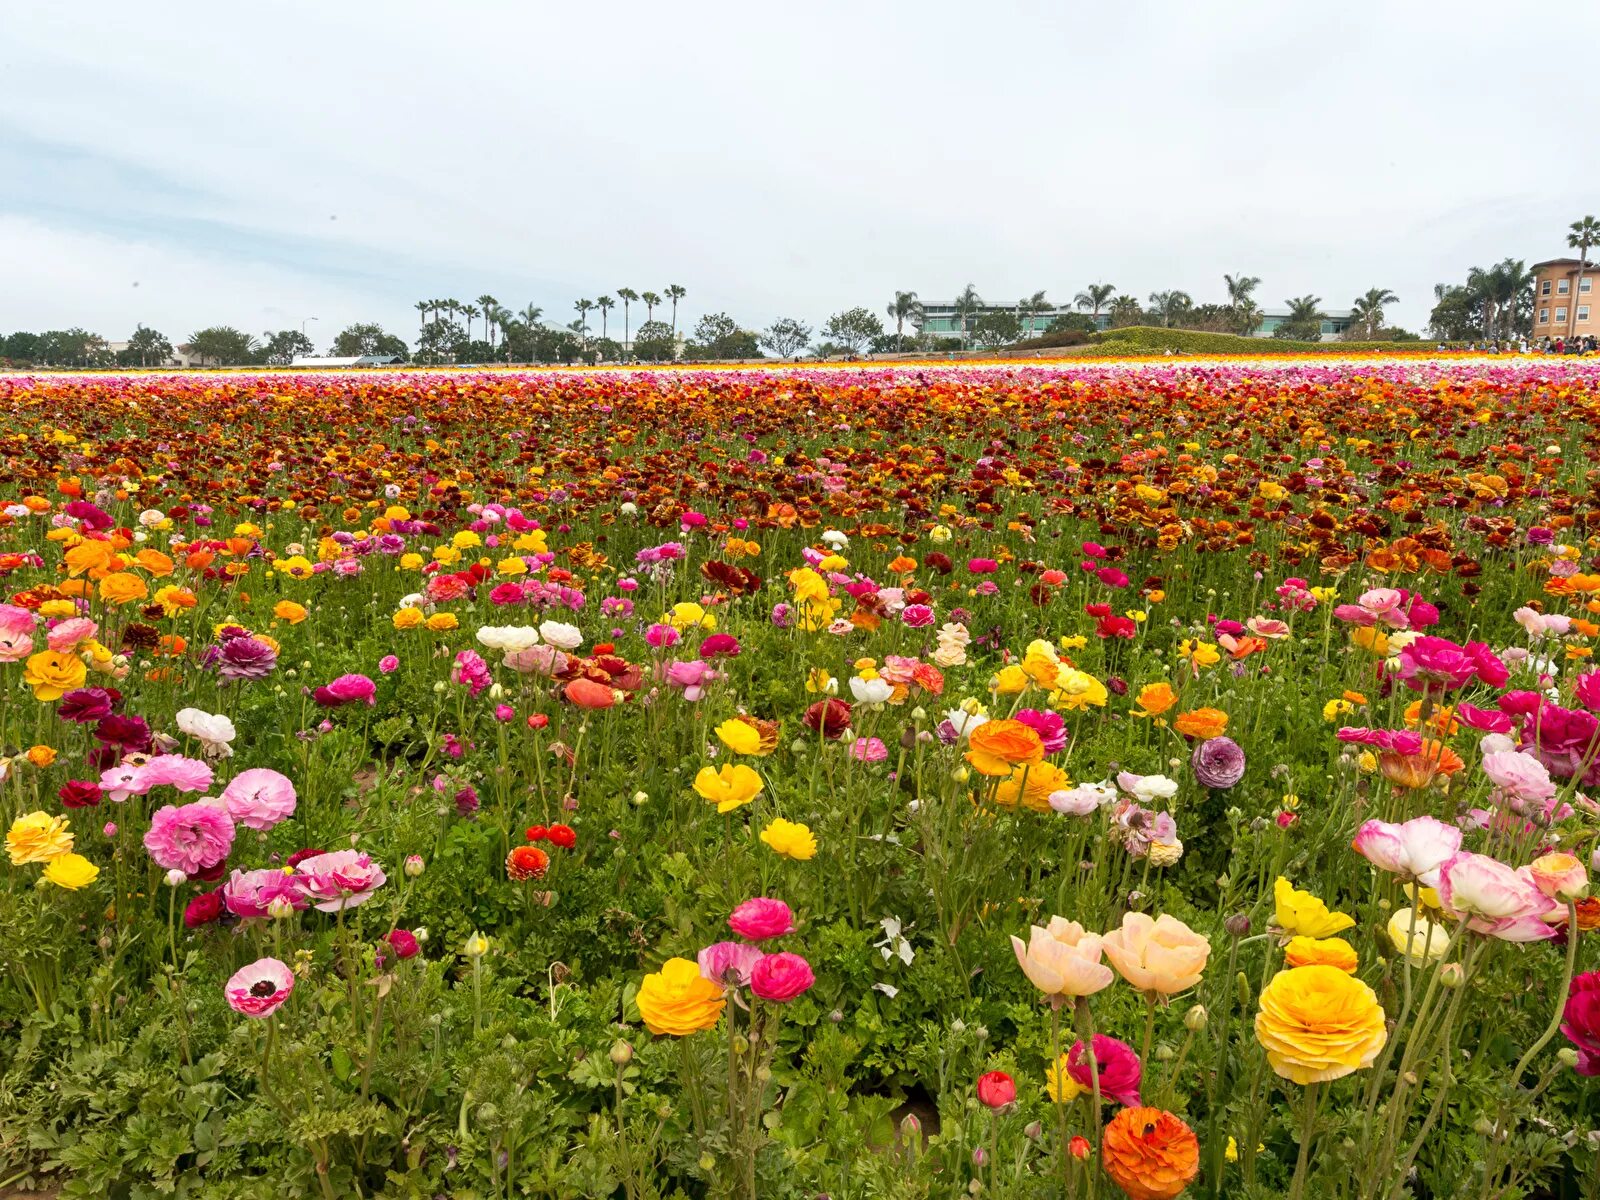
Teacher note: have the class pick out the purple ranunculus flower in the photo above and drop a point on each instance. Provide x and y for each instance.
(242, 658)
(1218, 762)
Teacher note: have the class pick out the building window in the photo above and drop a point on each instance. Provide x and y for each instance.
(1563, 286)
(1561, 315)
(1544, 316)
(1583, 312)
(1544, 288)
(1584, 286)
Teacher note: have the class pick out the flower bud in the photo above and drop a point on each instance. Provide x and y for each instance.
(177, 878)
(707, 1162)
(1241, 985)
(640, 798)
(280, 907)
(1483, 1127)
(1195, 1019)
(1451, 975)
(979, 1156)
(414, 866)
(960, 774)
(621, 1052)
(1163, 1053)
(1568, 1057)
(1237, 925)
(1034, 1130)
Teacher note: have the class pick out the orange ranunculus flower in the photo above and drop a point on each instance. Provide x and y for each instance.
(586, 693)
(122, 588)
(1154, 699)
(1305, 951)
(1042, 778)
(41, 755)
(155, 562)
(902, 564)
(1441, 720)
(90, 556)
(1317, 1024)
(1000, 747)
(1419, 770)
(1202, 723)
(199, 560)
(288, 610)
(679, 1000)
(1150, 1154)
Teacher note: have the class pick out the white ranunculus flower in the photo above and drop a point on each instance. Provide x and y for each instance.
(835, 539)
(151, 517)
(509, 638)
(871, 691)
(964, 722)
(561, 635)
(213, 730)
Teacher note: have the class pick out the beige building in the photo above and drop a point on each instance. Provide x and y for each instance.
(1563, 304)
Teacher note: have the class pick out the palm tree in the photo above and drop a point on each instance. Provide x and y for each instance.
(675, 293)
(906, 307)
(581, 326)
(605, 304)
(1367, 311)
(1093, 298)
(469, 313)
(625, 295)
(422, 307)
(1240, 288)
(488, 304)
(530, 316)
(1170, 305)
(967, 304)
(1584, 233)
(1513, 292)
(650, 300)
(1305, 310)
(1030, 306)
(1125, 310)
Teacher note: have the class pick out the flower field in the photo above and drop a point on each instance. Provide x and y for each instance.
(1129, 779)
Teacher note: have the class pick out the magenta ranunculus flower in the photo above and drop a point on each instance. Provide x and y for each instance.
(720, 645)
(247, 893)
(762, 918)
(868, 749)
(347, 689)
(260, 989)
(388, 664)
(1401, 741)
(1052, 730)
(339, 879)
(189, 837)
(1413, 849)
(1581, 1020)
(1118, 1068)
(917, 616)
(728, 962)
(1486, 719)
(259, 798)
(781, 977)
(1587, 689)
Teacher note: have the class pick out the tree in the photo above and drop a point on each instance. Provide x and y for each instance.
(1304, 323)
(1246, 316)
(650, 301)
(1073, 323)
(994, 329)
(584, 307)
(786, 336)
(222, 345)
(626, 295)
(675, 293)
(717, 335)
(1367, 311)
(906, 307)
(1582, 235)
(853, 328)
(148, 346)
(488, 305)
(1125, 310)
(281, 348)
(655, 342)
(1093, 298)
(1029, 307)
(423, 307)
(967, 306)
(1170, 306)
(21, 347)
(605, 304)
(361, 339)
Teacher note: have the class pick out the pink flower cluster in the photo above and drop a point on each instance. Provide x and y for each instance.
(778, 977)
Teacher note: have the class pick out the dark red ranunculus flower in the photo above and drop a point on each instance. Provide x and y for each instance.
(403, 942)
(77, 793)
(720, 645)
(128, 733)
(828, 717)
(83, 705)
(203, 909)
(299, 856)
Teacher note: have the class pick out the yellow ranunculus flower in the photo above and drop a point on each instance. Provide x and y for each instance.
(50, 673)
(1042, 778)
(296, 566)
(1056, 1079)
(442, 622)
(122, 588)
(448, 555)
(1330, 952)
(407, 618)
(535, 541)
(689, 615)
(818, 680)
(1318, 1024)
(1200, 654)
(507, 567)
(58, 608)
(1424, 943)
(173, 600)
(288, 610)
(739, 737)
(1301, 913)
(1077, 690)
(730, 787)
(809, 587)
(411, 562)
(1011, 681)
(38, 837)
(465, 539)
(791, 839)
(678, 1000)
(71, 871)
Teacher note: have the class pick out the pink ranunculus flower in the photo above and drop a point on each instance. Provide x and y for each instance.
(388, 664)
(761, 919)
(691, 677)
(917, 616)
(868, 749)
(1494, 899)
(1117, 1065)
(248, 893)
(177, 771)
(1519, 776)
(1588, 690)
(347, 689)
(189, 837)
(1048, 724)
(1413, 849)
(725, 963)
(1486, 719)
(16, 632)
(1436, 663)
(260, 989)
(536, 660)
(65, 636)
(339, 879)
(259, 798)
(781, 977)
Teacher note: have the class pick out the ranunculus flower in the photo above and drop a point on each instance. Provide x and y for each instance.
(761, 919)
(780, 977)
(1061, 959)
(1519, 776)
(347, 689)
(1494, 899)
(1415, 936)
(260, 989)
(189, 837)
(731, 786)
(996, 1089)
(1149, 1153)
(1116, 1064)
(259, 798)
(1300, 912)
(403, 942)
(1218, 762)
(561, 635)
(728, 962)
(1000, 747)
(1413, 849)
(203, 909)
(829, 717)
(1318, 1024)
(213, 731)
(175, 771)
(1581, 1020)
(1560, 876)
(248, 893)
(339, 879)
(1329, 952)
(678, 1000)
(1162, 956)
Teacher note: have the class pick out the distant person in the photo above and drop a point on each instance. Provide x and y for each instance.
(1561, 345)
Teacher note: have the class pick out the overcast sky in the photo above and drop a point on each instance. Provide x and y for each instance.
(189, 164)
